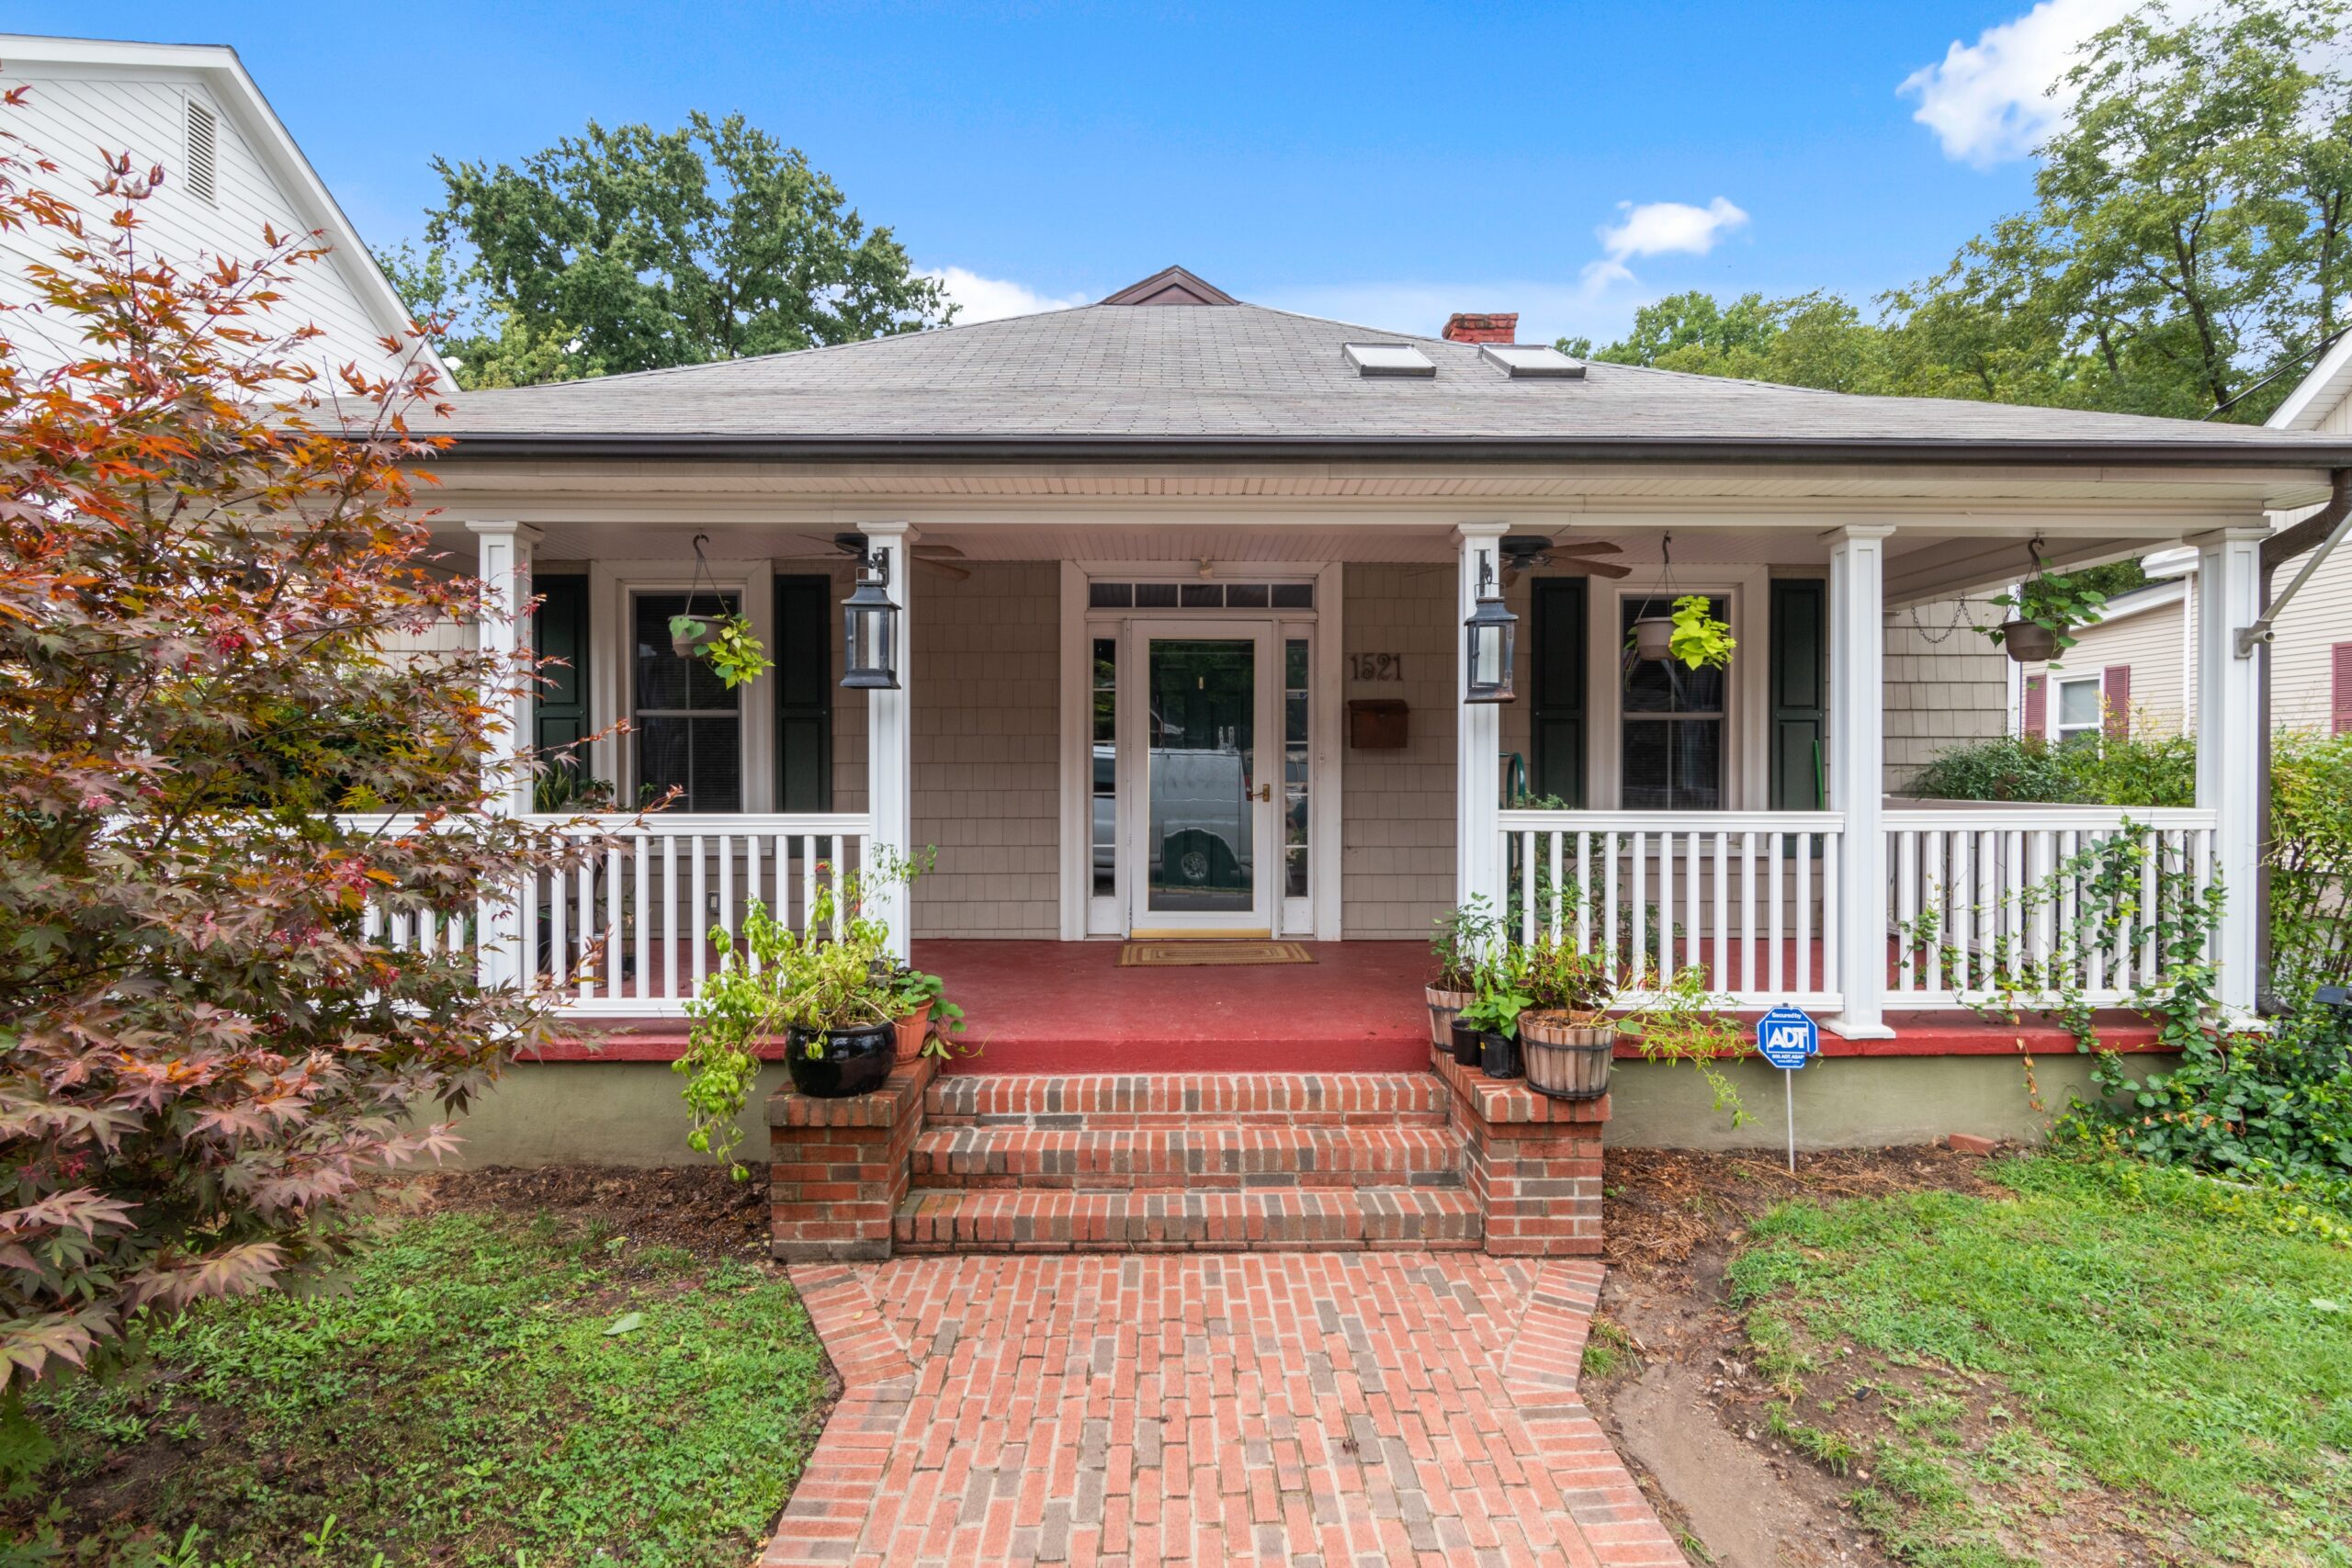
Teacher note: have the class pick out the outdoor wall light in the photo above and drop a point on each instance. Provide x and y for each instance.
(1492, 633)
(869, 622)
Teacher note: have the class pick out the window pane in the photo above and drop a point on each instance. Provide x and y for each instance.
(1201, 767)
(1668, 685)
(1245, 596)
(1673, 764)
(1106, 766)
(2078, 702)
(1293, 596)
(1294, 767)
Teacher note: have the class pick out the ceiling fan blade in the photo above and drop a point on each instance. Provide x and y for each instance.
(1511, 575)
(960, 573)
(1587, 547)
(1603, 569)
(934, 551)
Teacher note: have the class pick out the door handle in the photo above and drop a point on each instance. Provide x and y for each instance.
(1264, 791)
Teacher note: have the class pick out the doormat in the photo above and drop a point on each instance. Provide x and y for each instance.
(1189, 955)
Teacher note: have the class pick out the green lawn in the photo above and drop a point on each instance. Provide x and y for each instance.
(2106, 1355)
(486, 1391)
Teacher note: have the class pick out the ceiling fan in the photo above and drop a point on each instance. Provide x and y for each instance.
(1521, 551)
(943, 557)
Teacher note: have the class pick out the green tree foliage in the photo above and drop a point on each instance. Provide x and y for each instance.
(2191, 235)
(632, 249)
(206, 1042)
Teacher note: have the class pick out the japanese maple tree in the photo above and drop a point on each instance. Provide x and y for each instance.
(209, 548)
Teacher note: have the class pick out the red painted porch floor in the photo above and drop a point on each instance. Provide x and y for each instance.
(1067, 1007)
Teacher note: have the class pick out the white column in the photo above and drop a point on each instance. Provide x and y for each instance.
(2229, 748)
(1477, 791)
(1857, 773)
(503, 552)
(889, 734)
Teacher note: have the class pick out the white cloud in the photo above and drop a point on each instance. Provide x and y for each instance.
(1666, 228)
(1993, 99)
(981, 299)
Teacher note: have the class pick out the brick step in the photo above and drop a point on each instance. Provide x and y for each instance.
(1226, 1157)
(1111, 1101)
(1172, 1220)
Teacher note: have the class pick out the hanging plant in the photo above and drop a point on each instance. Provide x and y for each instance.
(723, 641)
(1700, 640)
(2046, 609)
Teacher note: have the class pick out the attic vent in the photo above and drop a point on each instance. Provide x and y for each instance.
(1526, 361)
(1387, 360)
(203, 180)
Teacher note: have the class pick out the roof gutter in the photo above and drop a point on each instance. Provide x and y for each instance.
(1166, 449)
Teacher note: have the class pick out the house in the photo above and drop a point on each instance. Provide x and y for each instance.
(231, 169)
(2138, 665)
(1180, 586)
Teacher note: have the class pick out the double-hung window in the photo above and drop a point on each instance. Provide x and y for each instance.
(2080, 711)
(689, 724)
(1672, 724)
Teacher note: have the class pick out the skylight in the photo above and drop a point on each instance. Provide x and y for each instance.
(1387, 360)
(1526, 360)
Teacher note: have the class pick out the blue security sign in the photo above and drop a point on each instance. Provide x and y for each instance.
(1786, 1037)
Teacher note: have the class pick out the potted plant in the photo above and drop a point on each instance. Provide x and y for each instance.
(723, 642)
(1463, 934)
(1565, 1038)
(1494, 1011)
(919, 1006)
(2046, 608)
(1692, 634)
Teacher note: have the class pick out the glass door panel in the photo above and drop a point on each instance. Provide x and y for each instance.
(1201, 844)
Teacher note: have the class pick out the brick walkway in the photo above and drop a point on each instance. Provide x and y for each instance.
(1311, 1408)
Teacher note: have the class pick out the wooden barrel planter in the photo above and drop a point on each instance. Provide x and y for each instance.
(1566, 1059)
(1443, 1008)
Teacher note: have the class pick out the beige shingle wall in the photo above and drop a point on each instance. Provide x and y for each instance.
(986, 789)
(1396, 820)
(1945, 684)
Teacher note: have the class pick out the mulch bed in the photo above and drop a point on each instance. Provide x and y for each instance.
(698, 1208)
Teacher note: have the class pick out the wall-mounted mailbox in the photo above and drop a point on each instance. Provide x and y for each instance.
(1377, 724)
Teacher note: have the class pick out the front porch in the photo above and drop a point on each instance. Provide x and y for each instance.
(1102, 749)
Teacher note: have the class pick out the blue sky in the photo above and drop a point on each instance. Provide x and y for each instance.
(1381, 163)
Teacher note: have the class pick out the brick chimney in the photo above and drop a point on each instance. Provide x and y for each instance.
(1501, 326)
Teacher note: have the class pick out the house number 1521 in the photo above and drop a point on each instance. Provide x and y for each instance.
(1376, 666)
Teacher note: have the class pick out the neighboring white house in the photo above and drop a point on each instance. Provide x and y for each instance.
(230, 169)
(2137, 669)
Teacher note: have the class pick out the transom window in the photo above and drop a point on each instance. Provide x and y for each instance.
(1672, 730)
(688, 723)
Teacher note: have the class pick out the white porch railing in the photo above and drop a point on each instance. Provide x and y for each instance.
(1985, 899)
(627, 934)
(1750, 897)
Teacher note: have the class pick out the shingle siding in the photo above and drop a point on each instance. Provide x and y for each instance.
(1946, 685)
(1396, 817)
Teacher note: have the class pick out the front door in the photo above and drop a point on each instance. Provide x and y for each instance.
(1202, 842)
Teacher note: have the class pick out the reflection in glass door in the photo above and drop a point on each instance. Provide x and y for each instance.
(1202, 720)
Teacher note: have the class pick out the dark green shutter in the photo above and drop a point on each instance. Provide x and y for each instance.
(1556, 665)
(560, 630)
(1799, 656)
(805, 618)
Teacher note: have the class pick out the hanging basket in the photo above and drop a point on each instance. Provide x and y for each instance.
(2029, 642)
(685, 642)
(1654, 636)
(1566, 1060)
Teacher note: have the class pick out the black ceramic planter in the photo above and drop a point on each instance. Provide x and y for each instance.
(1469, 1044)
(852, 1061)
(1499, 1057)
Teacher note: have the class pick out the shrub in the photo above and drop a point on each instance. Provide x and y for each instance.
(2159, 770)
(202, 1047)
(2309, 858)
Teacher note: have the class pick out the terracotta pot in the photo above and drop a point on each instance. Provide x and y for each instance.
(1564, 1058)
(1654, 636)
(1443, 1007)
(911, 1031)
(2028, 643)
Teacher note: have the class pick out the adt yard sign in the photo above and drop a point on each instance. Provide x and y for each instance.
(1785, 1037)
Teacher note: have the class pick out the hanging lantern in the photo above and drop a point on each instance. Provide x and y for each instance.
(1492, 633)
(869, 622)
